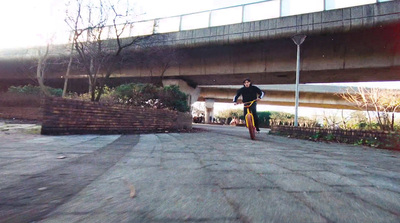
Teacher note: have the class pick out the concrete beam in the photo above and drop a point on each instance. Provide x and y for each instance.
(283, 95)
(209, 103)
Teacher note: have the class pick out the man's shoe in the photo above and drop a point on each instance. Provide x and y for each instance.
(258, 130)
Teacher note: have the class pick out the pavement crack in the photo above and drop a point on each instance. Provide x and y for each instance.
(236, 207)
(205, 166)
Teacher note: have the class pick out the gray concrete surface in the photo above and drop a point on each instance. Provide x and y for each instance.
(215, 174)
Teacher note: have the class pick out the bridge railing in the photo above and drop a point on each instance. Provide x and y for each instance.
(255, 11)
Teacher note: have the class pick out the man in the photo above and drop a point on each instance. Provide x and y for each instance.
(250, 93)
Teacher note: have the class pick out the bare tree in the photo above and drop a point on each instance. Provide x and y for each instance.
(36, 64)
(73, 24)
(100, 38)
(41, 69)
(331, 119)
(281, 118)
(157, 60)
(68, 71)
(382, 103)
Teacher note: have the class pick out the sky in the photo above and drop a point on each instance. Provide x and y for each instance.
(32, 22)
(25, 23)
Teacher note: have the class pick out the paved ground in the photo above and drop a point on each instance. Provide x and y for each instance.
(218, 175)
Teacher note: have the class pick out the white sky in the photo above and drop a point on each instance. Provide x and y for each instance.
(32, 22)
(25, 23)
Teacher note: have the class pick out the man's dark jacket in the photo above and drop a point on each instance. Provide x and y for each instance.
(249, 93)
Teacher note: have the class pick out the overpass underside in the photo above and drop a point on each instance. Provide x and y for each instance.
(366, 55)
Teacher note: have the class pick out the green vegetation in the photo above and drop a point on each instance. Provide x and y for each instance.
(330, 137)
(34, 90)
(330, 130)
(136, 94)
(373, 142)
(264, 119)
(148, 95)
(172, 97)
(133, 94)
(143, 95)
(380, 104)
(228, 114)
(316, 136)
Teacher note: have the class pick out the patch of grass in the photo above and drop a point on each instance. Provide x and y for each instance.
(34, 131)
(330, 137)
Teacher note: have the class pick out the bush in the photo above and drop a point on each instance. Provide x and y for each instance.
(107, 95)
(136, 94)
(34, 90)
(143, 95)
(230, 113)
(263, 118)
(148, 95)
(172, 97)
(281, 118)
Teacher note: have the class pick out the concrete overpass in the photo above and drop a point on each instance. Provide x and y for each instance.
(344, 45)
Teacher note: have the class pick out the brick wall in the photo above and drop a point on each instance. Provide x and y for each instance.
(65, 116)
(381, 139)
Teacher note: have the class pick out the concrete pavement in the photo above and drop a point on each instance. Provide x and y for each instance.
(213, 175)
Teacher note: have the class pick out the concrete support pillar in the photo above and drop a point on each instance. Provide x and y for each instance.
(209, 104)
(185, 88)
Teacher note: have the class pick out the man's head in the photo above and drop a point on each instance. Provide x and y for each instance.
(247, 82)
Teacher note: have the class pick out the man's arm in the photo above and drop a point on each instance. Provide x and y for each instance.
(260, 93)
(238, 93)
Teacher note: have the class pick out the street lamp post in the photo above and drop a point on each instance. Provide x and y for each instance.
(298, 40)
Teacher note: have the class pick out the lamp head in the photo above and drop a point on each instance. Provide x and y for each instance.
(298, 39)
